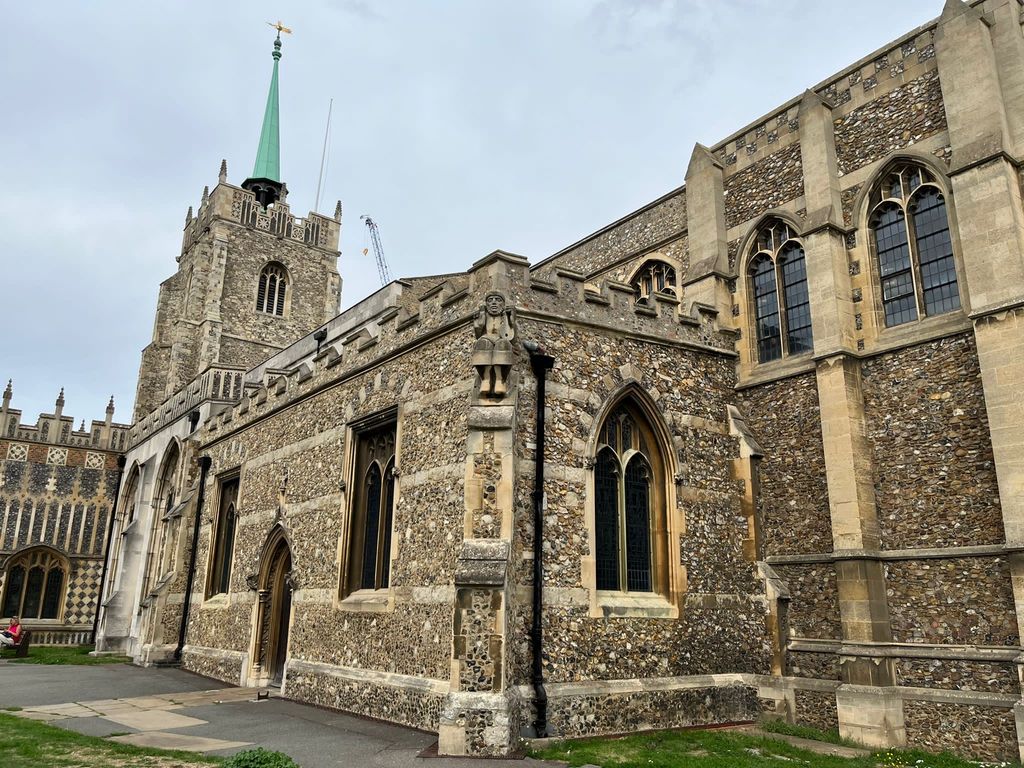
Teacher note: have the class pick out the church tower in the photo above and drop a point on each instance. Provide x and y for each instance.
(251, 279)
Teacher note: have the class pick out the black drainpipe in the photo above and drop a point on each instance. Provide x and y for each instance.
(541, 364)
(106, 555)
(204, 467)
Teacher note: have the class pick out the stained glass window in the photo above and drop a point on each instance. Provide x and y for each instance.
(369, 551)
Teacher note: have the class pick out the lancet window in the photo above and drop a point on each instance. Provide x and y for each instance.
(224, 538)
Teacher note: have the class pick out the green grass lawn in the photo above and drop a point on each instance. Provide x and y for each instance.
(726, 749)
(61, 654)
(32, 744)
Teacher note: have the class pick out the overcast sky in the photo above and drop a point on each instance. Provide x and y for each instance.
(461, 127)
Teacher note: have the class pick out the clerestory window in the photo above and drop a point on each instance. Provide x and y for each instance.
(778, 287)
(910, 228)
(270, 293)
(653, 277)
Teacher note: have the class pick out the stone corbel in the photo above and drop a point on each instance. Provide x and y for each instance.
(252, 582)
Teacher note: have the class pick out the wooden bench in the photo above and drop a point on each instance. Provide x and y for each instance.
(21, 647)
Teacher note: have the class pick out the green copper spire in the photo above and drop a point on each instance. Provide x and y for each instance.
(265, 182)
(268, 156)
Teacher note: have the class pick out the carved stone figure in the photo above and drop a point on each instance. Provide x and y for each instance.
(495, 327)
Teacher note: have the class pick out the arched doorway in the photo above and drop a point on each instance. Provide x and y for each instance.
(275, 609)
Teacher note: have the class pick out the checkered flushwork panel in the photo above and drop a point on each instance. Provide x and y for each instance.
(83, 592)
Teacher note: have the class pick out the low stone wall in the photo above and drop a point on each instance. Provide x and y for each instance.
(628, 706)
(411, 701)
(215, 663)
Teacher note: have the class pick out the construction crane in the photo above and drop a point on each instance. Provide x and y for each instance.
(378, 250)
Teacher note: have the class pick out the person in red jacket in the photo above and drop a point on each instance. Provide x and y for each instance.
(10, 636)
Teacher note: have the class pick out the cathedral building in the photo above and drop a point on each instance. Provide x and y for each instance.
(57, 490)
(753, 449)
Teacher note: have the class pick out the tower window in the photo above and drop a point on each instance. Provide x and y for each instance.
(653, 277)
(272, 289)
(778, 285)
(910, 229)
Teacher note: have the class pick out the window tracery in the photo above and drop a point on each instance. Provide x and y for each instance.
(35, 586)
(910, 229)
(654, 276)
(778, 287)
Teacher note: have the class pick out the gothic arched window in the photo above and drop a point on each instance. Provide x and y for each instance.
(224, 538)
(373, 502)
(270, 293)
(629, 505)
(778, 285)
(910, 228)
(654, 277)
(35, 585)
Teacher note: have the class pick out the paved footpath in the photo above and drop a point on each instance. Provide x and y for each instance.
(173, 709)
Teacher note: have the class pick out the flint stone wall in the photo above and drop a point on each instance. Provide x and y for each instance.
(639, 231)
(724, 597)
(607, 713)
(965, 601)
(784, 416)
(934, 474)
(984, 733)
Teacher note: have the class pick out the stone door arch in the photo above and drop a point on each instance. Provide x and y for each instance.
(274, 604)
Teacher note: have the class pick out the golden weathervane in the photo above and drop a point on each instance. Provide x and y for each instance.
(279, 27)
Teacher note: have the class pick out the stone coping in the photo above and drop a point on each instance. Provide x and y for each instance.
(944, 696)
(375, 677)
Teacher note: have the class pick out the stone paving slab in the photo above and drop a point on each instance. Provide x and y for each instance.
(315, 738)
(154, 720)
(161, 740)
